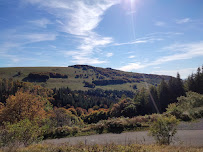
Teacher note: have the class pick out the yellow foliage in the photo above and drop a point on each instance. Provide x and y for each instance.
(23, 105)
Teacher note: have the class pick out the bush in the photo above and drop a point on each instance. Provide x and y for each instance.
(164, 129)
(24, 132)
(115, 126)
(198, 114)
(99, 128)
(75, 130)
(174, 110)
(185, 117)
(59, 132)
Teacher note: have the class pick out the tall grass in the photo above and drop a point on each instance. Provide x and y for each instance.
(102, 148)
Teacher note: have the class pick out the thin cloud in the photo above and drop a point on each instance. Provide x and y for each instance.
(130, 12)
(160, 23)
(182, 52)
(132, 66)
(150, 38)
(130, 43)
(41, 22)
(182, 21)
(183, 72)
(132, 56)
(79, 18)
(31, 38)
(19, 42)
(109, 55)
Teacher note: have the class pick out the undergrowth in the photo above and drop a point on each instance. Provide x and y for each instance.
(101, 148)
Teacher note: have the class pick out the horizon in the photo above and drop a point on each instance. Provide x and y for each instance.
(142, 36)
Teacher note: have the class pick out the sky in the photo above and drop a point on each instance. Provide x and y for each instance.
(145, 36)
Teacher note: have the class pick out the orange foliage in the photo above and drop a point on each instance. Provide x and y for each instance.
(23, 105)
(81, 111)
(73, 111)
(90, 110)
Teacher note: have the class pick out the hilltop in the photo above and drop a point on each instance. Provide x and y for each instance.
(82, 77)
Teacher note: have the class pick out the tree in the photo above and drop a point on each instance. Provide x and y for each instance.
(23, 132)
(176, 89)
(126, 107)
(154, 98)
(130, 110)
(194, 82)
(24, 105)
(61, 117)
(164, 129)
(141, 99)
(163, 94)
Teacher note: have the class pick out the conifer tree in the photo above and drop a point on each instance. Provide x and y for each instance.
(163, 94)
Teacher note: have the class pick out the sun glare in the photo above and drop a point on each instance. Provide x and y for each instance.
(131, 3)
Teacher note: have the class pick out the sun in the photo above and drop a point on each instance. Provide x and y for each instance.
(130, 5)
(132, 2)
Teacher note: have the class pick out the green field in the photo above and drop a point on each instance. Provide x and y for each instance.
(79, 73)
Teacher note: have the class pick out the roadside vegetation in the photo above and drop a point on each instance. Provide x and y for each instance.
(30, 113)
(98, 148)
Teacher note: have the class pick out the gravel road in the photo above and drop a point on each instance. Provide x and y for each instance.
(189, 134)
(183, 137)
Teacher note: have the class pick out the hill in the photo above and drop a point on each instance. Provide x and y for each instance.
(82, 77)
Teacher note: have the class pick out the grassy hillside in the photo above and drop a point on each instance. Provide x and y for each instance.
(81, 77)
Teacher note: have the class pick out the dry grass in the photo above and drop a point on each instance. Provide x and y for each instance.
(102, 148)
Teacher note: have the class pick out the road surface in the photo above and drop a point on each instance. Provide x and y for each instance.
(183, 137)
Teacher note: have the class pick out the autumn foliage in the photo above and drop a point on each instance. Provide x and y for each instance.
(23, 105)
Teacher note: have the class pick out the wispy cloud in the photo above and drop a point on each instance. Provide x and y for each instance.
(130, 12)
(183, 72)
(79, 18)
(150, 38)
(79, 58)
(182, 21)
(132, 56)
(132, 42)
(15, 60)
(92, 41)
(35, 37)
(17, 43)
(132, 66)
(181, 52)
(160, 23)
(109, 54)
(41, 22)
(17, 40)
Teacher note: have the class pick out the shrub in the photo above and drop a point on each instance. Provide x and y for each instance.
(99, 128)
(198, 113)
(24, 132)
(75, 130)
(96, 116)
(164, 129)
(129, 125)
(185, 117)
(134, 86)
(115, 126)
(59, 132)
(174, 110)
(61, 117)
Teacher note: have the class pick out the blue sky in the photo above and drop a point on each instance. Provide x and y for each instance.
(147, 36)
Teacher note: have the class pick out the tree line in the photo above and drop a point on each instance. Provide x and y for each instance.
(101, 104)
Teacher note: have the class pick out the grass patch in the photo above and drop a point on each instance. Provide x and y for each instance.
(80, 147)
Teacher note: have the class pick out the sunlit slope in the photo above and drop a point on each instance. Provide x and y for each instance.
(81, 77)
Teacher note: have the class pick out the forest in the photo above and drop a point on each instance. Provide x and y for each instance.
(53, 113)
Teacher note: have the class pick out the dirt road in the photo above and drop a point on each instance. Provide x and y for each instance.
(183, 137)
